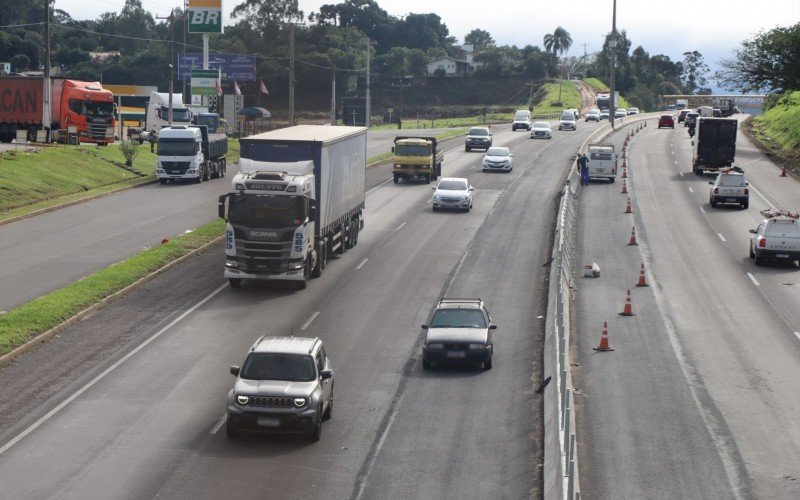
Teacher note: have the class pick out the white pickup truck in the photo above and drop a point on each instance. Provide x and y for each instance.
(776, 238)
(602, 161)
(730, 186)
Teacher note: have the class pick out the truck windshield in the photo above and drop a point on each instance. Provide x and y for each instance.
(178, 114)
(267, 211)
(277, 366)
(176, 147)
(411, 150)
(91, 108)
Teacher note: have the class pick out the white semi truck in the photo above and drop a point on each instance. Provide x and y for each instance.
(190, 153)
(298, 198)
(157, 114)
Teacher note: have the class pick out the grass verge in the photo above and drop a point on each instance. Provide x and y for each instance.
(778, 129)
(25, 322)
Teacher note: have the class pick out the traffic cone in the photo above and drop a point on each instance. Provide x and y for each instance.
(624, 173)
(783, 171)
(629, 208)
(645, 124)
(628, 310)
(164, 241)
(604, 340)
(642, 281)
(624, 163)
(624, 188)
(633, 237)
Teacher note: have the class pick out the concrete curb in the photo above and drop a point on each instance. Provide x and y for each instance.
(49, 334)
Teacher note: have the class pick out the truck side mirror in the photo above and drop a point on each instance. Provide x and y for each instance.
(221, 206)
(312, 209)
(235, 370)
(392, 149)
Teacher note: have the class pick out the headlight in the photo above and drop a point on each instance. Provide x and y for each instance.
(299, 402)
(242, 400)
(231, 264)
(239, 187)
(297, 265)
(436, 346)
(191, 171)
(477, 346)
(436, 196)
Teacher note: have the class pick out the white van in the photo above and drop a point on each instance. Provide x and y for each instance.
(568, 121)
(602, 161)
(522, 119)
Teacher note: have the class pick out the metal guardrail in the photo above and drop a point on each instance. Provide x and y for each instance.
(561, 464)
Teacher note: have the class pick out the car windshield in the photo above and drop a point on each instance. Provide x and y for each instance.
(267, 211)
(276, 366)
(568, 116)
(541, 125)
(600, 156)
(732, 180)
(458, 318)
(176, 147)
(479, 131)
(411, 150)
(497, 152)
(452, 186)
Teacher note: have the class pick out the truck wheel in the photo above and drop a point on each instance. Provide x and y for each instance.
(235, 282)
(224, 168)
(199, 178)
(428, 179)
(215, 172)
(396, 179)
(206, 173)
(317, 272)
(162, 181)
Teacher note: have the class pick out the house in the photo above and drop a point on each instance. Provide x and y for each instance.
(5, 68)
(461, 63)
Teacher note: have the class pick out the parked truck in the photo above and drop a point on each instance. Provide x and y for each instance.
(714, 144)
(416, 157)
(85, 105)
(602, 161)
(157, 114)
(190, 153)
(298, 198)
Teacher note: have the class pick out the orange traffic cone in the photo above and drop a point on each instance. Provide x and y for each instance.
(628, 310)
(642, 281)
(624, 173)
(624, 188)
(164, 241)
(604, 340)
(624, 163)
(629, 208)
(633, 238)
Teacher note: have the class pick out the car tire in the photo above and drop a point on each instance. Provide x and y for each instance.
(466, 148)
(745, 205)
(435, 209)
(162, 181)
(712, 203)
(328, 413)
(487, 365)
(426, 364)
(757, 260)
(751, 251)
(230, 430)
(428, 179)
(485, 170)
(235, 282)
(316, 432)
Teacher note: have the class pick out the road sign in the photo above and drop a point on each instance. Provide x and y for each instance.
(205, 16)
(241, 68)
(204, 81)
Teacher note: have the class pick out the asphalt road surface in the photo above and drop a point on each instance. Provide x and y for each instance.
(130, 403)
(700, 397)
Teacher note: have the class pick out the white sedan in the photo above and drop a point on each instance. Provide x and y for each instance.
(541, 130)
(620, 113)
(498, 159)
(453, 192)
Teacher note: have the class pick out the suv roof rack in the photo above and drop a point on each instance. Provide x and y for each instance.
(772, 213)
(731, 170)
(473, 300)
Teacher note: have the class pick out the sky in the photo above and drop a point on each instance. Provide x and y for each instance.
(715, 28)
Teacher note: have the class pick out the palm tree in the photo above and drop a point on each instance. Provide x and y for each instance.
(558, 42)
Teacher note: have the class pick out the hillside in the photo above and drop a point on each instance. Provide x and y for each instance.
(778, 129)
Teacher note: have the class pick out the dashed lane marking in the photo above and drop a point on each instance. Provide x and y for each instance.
(702, 210)
(310, 320)
(721, 237)
(218, 424)
(401, 226)
(691, 190)
(753, 279)
(362, 263)
(797, 334)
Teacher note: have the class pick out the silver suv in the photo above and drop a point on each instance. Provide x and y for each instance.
(478, 137)
(460, 331)
(284, 386)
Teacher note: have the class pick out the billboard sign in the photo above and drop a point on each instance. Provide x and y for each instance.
(241, 68)
(204, 81)
(205, 16)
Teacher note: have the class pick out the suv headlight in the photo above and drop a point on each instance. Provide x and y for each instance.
(242, 400)
(477, 346)
(299, 402)
(436, 346)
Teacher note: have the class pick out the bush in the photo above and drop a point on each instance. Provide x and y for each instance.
(130, 149)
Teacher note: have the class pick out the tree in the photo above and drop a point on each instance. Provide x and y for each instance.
(768, 62)
(558, 42)
(265, 16)
(479, 39)
(694, 72)
(20, 62)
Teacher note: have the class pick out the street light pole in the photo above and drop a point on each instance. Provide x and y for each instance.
(291, 74)
(613, 44)
(368, 120)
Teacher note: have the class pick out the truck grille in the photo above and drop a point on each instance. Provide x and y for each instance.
(263, 257)
(270, 401)
(175, 167)
(97, 130)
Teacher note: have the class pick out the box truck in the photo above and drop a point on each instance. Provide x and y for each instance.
(298, 198)
(190, 153)
(85, 105)
(715, 144)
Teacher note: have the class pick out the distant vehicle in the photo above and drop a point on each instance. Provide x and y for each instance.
(666, 121)
(681, 104)
(498, 158)
(460, 331)
(85, 105)
(416, 157)
(478, 137)
(522, 119)
(602, 161)
(593, 115)
(568, 121)
(157, 113)
(691, 119)
(285, 385)
(541, 130)
(453, 192)
(210, 120)
(604, 114)
(633, 111)
(670, 107)
(190, 153)
(730, 186)
(777, 238)
(604, 100)
(706, 111)
(714, 144)
(682, 115)
(577, 113)
(727, 106)
(716, 113)
(620, 113)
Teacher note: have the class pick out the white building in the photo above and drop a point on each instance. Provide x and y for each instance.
(5, 68)
(461, 63)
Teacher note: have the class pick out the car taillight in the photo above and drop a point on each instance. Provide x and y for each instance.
(762, 242)
(716, 190)
(746, 191)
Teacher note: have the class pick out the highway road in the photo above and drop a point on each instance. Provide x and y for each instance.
(700, 398)
(130, 403)
(44, 253)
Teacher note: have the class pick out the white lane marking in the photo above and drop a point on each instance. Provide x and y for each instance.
(218, 424)
(753, 279)
(721, 237)
(759, 193)
(691, 190)
(797, 334)
(401, 226)
(676, 162)
(379, 185)
(362, 263)
(105, 372)
(702, 210)
(310, 320)
(681, 174)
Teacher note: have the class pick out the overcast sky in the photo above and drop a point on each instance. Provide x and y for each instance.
(713, 27)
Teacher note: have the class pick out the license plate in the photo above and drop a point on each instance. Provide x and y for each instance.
(174, 171)
(731, 200)
(782, 255)
(457, 354)
(269, 421)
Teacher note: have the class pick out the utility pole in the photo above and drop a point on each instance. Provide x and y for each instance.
(170, 17)
(291, 75)
(401, 85)
(613, 44)
(333, 97)
(185, 30)
(530, 98)
(47, 90)
(368, 121)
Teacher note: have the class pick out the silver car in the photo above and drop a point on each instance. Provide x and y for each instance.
(452, 193)
(497, 158)
(541, 130)
(460, 331)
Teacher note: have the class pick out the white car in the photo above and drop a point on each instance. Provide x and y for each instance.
(633, 111)
(776, 238)
(567, 121)
(604, 114)
(593, 114)
(497, 158)
(730, 186)
(541, 130)
(454, 193)
(620, 113)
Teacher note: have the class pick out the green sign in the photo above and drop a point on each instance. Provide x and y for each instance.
(205, 16)
(204, 81)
